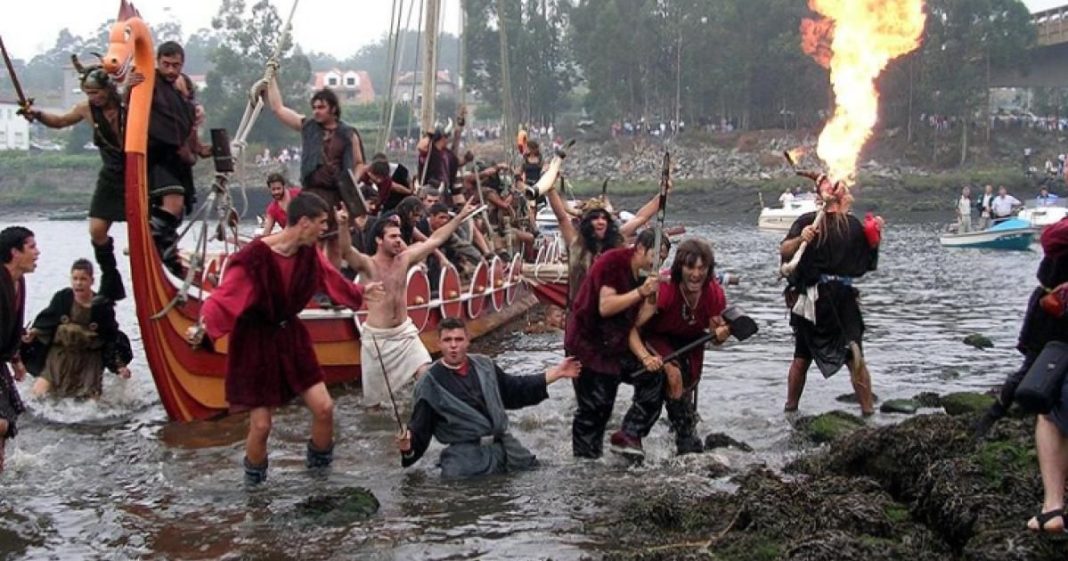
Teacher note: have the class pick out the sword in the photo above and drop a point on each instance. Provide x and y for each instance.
(24, 104)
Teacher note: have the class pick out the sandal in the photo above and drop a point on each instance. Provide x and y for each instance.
(1044, 518)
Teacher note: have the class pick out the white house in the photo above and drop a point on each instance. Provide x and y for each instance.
(14, 129)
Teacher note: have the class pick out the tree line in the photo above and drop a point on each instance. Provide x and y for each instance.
(704, 61)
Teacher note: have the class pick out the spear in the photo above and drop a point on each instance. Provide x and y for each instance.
(661, 213)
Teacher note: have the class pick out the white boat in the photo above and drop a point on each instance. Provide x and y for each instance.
(784, 217)
(1044, 215)
(1012, 234)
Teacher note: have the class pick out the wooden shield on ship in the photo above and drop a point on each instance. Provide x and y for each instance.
(418, 297)
(477, 290)
(452, 305)
(515, 273)
(498, 279)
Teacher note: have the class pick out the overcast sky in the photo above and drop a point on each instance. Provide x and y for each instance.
(337, 27)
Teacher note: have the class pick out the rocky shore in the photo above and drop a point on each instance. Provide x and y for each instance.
(925, 489)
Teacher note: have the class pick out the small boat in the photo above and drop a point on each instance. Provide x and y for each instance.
(1044, 215)
(782, 218)
(1013, 234)
(70, 214)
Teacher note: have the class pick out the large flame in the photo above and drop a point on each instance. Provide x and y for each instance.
(856, 39)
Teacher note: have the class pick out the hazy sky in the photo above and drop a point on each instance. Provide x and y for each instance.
(338, 27)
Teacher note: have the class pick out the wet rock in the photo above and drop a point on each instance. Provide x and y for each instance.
(928, 399)
(978, 341)
(949, 374)
(963, 403)
(827, 427)
(720, 440)
(852, 398)
(343, 506)
(906, 406)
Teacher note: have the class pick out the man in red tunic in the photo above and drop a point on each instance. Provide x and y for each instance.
(271, 358)
(685, 308)
(597, 330)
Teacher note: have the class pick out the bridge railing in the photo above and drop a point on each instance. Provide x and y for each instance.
(1051, 26)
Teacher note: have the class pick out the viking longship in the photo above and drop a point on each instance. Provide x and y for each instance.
(190, 380)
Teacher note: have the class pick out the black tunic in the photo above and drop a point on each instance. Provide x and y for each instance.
(841, 250)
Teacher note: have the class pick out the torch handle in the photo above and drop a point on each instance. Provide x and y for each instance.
(789, 267)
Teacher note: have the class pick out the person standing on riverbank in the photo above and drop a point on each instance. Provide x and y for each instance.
(964, 211)
(104, 111)
(18, 257)
(825, 314)
(597, 333)
(684, 309)
(271, 358)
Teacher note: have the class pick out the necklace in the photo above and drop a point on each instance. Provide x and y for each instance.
(688, 307)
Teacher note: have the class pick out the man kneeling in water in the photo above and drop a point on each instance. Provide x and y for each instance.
(462, 402)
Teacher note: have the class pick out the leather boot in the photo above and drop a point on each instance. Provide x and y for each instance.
(164, 227)
(110, 279)
(255, 474)
(316, 458)
(684, 424)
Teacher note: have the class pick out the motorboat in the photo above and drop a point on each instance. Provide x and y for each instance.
(1012, 234)
(782, 218)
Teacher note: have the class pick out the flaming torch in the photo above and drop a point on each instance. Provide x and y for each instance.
(855, 39)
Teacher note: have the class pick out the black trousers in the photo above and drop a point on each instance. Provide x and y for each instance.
(595, 393)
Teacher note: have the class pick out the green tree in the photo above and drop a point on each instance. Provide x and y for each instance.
(247, 36)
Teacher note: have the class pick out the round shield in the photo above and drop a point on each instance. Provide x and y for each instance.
(452, 305)
(476, 292)
(515, 274)
(498, 279)
(418, 296)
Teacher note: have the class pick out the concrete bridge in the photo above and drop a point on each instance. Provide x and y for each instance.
(1048, 66)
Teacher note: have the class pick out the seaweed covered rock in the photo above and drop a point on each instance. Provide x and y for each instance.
(826, 427)
(719, 440)
(963, 403)
(978, 341)
(904, 406)
(343, 506)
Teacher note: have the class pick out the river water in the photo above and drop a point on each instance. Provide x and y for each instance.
(115, 480)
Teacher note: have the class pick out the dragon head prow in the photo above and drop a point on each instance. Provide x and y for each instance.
(120, 56)
(127, 11)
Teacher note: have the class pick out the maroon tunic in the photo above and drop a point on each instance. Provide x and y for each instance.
(271, 358)
(675, 325)
(600, 343)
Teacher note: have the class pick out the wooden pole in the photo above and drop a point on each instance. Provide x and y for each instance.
(430, 63)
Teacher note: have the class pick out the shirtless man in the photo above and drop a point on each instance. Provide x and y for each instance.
(388, 334)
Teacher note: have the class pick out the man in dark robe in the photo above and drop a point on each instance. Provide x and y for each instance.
(173, 150)
(271, 359)
(104, 111)
(329, 148)
(18, 255)
(597, 333)
(684, 309)
(462, 400)
(825, 314)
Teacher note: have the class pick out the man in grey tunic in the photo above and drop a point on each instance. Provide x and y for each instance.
(462, 400)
